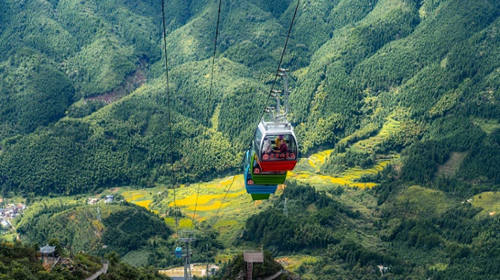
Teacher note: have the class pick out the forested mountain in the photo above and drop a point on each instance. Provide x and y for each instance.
(414, 84)
(84, 91)
(19, 261)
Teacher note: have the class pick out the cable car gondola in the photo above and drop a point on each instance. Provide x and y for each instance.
(274, 149)
(258, 192)
(274, 141)
(178, 252)
(260, 177)
(276, 146)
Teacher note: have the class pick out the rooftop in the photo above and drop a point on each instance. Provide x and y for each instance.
(47, 249)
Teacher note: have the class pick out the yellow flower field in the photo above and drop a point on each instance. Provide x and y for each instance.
(214, 206)
(144, 203)
(203, 199)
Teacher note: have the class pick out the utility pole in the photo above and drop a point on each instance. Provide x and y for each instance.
(187, 237)
(207, 262)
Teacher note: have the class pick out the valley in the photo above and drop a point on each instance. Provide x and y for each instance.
(115, 139)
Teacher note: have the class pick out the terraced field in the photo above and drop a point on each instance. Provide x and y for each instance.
(224, 204)
(390, 127)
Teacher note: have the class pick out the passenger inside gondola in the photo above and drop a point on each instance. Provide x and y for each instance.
(283, 146)
(278, 147)
(268, 148)
(258, 170)
(277, 143)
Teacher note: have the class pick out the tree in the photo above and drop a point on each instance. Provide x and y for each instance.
(113, 257)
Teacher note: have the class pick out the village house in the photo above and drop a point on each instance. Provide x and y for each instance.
(93, 200)
(109, 198)
(5, 224)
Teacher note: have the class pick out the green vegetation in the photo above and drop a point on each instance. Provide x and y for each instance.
(403, 96)
(309, 230)
(18, 261)
(237, 266)
(373, 79)
(80, 227)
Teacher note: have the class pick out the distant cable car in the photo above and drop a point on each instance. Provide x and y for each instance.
(274, 141)
(258, 192)
(178, 252)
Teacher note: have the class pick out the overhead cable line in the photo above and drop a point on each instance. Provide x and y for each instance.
(169, 120)
(269, 95)
(281, 59)
(209, 98)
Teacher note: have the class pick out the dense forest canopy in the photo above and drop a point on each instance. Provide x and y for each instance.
(83, 92)
(411, 83)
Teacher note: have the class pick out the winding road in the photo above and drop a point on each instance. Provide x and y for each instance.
(104, 269)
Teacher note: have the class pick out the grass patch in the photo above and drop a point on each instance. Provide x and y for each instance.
(214, 206)
(487, 125)
(7, 237)
(317, 159)
(170, 221)
(452, 165)
(418, 201)
(389, 128)
(203, 199)
(225, 223)
(293, 262)
(185, 223)
(137, 258)
(144, 203)
(439, 266)
(489, 201)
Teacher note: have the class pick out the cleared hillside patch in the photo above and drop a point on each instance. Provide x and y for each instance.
(489, 201)
(487, 125)
(137, 258)
(451, 166)
(417, 201)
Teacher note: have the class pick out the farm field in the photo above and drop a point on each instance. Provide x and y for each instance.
(224, 205)
(235, 206)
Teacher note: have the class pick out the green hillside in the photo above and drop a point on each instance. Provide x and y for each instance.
(19, 261)
(395, 104)
(429, 66)
(97, 229)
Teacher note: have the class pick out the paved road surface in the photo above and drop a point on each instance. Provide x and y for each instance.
(104, 269)
(274, 276)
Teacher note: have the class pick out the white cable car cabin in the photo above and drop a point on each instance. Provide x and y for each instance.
(276, 146)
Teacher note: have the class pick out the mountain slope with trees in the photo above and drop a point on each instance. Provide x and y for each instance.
(426, 63)
(413, 84)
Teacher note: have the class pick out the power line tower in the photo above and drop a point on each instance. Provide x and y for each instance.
(187, 237)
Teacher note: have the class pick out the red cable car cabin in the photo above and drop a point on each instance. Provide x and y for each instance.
(276, 146)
